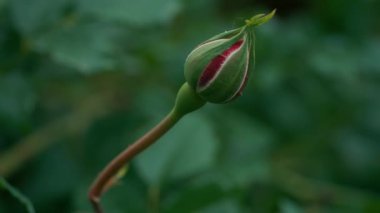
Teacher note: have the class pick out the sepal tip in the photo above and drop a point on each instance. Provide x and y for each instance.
(260, 19)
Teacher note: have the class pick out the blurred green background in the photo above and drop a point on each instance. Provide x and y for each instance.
(81, 79)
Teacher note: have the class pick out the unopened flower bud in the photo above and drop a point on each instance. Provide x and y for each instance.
(218, 68)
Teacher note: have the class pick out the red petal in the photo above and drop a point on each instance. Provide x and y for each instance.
(214, 66)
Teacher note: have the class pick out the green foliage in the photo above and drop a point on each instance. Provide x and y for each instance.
(30, 18)
(4, 185)
(139, 13)
(177, 155)
(17, 101)
(86, 46)
(81, 80)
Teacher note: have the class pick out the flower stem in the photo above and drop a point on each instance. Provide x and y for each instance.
(187, 101)
(101, 182)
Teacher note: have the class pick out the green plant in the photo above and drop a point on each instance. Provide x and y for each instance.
(216, 71)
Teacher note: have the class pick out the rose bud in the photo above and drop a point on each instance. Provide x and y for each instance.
(217, 70)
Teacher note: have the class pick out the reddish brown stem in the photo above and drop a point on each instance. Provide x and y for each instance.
(99, 186)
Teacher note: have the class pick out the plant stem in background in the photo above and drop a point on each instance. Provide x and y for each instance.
(187, 101)
(16, 194)
(73, 123)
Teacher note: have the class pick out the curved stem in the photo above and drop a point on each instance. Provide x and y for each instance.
(100, 185)
(187, 101)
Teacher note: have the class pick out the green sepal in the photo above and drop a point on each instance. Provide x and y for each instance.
(260, 19)
(252, 54)
(201, 56)
(225, 35)
(187, 101)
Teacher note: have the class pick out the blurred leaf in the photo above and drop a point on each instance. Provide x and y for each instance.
(86, 46)
(16, 194)
(142, 12)
(224, 206)
(246, 151)
(193, 197)
(334, 59)
(288, 111)
(369, 56)
(29, 17)
(17, 101)
(2, 3)
(129, 195)
(370, 116)
(52, 177)
(288, 206)
(189, 148)
(161, 99)
(359, 154)
(106, 138)
(248, 139)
